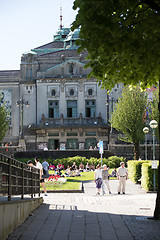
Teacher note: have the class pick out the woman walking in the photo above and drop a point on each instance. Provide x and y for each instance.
(98, 178)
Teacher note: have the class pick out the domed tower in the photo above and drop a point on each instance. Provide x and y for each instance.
(70, 41)
(61, 34)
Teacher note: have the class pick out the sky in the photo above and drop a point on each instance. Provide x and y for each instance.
(26, 24)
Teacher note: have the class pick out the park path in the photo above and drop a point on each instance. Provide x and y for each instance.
(86, 216)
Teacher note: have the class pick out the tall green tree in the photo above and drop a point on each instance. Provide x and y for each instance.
(128, 116)
(154, 109)
(122, 40)
(4, 120)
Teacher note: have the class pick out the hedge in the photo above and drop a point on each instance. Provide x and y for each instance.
(111, 162)
(147, 177)
(134, 169)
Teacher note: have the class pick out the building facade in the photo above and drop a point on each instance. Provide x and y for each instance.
(52, 102)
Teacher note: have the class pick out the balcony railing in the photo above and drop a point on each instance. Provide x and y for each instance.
(17, 178)
(72, 121)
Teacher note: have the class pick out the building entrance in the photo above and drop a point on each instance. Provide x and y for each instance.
(53, 144)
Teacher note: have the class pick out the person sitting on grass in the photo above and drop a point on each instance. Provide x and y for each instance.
(71, 174)
(77, 172)
(114, 173)
(87, 167)
(92, 167)
(74, 166)
(67, 171)
(81, 167)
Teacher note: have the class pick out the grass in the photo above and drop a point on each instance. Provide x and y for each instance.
(72, 183)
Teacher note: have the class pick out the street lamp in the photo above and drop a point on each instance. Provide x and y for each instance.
(20, 103)
(153, 124)
(146, 130)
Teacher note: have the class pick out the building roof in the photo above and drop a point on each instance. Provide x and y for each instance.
(66, 53)
(54, 44)
(10, 73)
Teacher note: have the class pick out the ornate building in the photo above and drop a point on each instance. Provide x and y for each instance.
(51, 100)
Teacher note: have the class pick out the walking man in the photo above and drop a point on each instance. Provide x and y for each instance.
(105, 180)
(122, 175)
(39, 166)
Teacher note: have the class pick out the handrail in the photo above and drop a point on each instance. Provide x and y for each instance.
(17, 178)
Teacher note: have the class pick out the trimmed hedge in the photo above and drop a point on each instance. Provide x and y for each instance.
(134, 169)
(111, 162)
(147, 177)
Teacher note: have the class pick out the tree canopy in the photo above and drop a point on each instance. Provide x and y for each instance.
(122, 40)
(129, 116)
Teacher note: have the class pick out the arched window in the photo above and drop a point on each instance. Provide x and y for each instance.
(90, 92)
(71, 92)
(53, 92)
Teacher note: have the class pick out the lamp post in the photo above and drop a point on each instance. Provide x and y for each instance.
(153, 124)
(146, 130)
(20, 103)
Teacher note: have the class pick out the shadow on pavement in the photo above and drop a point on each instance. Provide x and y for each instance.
(66, 222)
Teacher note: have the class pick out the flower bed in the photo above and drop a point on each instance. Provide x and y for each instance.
(54, 181)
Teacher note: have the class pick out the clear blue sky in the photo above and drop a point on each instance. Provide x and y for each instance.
(26, 24)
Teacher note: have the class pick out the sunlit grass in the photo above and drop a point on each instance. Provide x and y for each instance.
(72, 183)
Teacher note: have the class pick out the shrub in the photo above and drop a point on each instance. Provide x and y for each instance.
(114, 161)
(147, 176)
(134, 170)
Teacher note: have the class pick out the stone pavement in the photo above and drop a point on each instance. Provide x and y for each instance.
(86, 216)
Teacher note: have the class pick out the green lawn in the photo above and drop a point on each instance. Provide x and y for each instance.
(72, 183)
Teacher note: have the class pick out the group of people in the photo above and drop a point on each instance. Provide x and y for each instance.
(74, 170)
(101, 178)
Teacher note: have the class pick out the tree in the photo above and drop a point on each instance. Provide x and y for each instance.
(128, 116)
(122, 40)
(153, 109)
(4, 120)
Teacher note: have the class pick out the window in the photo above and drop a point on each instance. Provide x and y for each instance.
(90, 134)
(62, 71)
(53, 92)
(71, 92)
(53, 134)
(27, 72)
(72, 144)
(72, 109)
(90, 108)
(28, 89)
(53, 111)
(90, 92)
(72, 134)
(31, 74)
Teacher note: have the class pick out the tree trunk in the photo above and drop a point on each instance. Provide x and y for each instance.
(157, 208)
(136, 150)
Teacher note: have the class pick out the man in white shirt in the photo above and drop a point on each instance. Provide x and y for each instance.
(39, 166)
(122, 175)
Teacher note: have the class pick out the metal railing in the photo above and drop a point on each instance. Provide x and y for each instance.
(73, 121)
(17, 178)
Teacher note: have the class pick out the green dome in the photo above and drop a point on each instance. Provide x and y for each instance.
(69, 42)
(61, 34)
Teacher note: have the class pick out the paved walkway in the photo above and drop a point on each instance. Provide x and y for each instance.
(86, 216)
